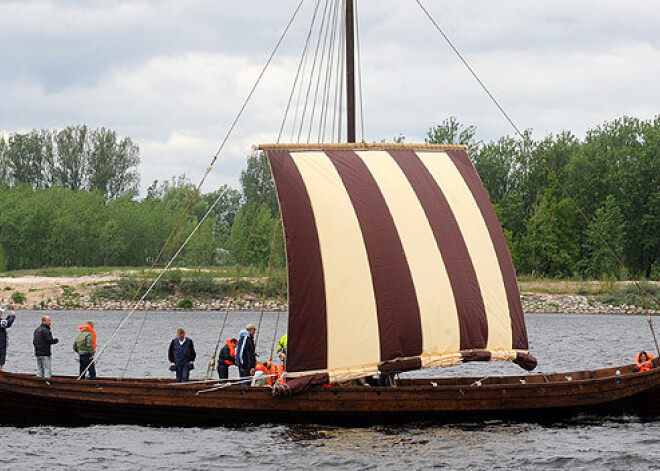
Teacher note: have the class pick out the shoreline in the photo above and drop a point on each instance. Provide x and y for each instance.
(74, 293)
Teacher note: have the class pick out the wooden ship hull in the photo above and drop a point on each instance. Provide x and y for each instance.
(28, 400)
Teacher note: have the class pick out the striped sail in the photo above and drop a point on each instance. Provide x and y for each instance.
(396, 261)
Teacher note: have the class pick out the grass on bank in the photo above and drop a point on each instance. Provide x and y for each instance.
(200, 285)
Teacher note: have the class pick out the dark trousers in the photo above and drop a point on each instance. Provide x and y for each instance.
(182, 373)
(223, 370)
(244, 373)
(86, 359)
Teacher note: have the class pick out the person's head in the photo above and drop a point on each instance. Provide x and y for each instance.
(251, 328)
(180, 333)
(90, 323)
(234, 342)
(268, 364)
(643, 356)
(46, 320)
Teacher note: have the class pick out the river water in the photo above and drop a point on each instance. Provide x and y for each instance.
(560, 342)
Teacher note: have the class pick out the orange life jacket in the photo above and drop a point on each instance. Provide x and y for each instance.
(264, 370)
(232, 352)
(645, 365)
(279, 369)
(90, 329)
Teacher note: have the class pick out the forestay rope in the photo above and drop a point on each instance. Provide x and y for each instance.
(552, 174)
(209, 168)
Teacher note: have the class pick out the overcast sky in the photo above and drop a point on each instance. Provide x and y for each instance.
(172, 75)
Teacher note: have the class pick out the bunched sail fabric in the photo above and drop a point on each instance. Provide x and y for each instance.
(396, 261)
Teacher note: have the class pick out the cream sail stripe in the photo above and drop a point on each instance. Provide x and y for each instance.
(438, 314)
(351, 306)
(479, 245)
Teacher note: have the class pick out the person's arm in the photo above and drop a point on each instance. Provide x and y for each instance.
(192, 354)
(50, 339)
(170, 352)
(75, 346)
(6, 323)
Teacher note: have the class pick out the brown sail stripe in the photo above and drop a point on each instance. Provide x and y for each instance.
(399, 325)
(464, 166)
(469, 303)
(307, 344)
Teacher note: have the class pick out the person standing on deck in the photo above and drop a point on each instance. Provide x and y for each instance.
(42, 340)
(85, 346)
(4, 325)
(227, 358)
(246, 358)
(182, 355)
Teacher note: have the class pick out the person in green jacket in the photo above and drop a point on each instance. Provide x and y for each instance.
(85, 346)
(281, 347)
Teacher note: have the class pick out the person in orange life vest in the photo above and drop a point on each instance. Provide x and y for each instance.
(227, 358)
(182, 356)
(643, 362)
(264, 373)
(85, 346)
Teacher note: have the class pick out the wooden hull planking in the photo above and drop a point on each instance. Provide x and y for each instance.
(64, 400)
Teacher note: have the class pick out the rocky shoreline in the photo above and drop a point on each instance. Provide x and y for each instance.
(532, 304)
(76, 292)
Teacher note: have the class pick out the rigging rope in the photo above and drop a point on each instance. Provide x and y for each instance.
(300, 67)
(209, 368)
(552, 174)
(324, 27)
(215, 203)
(359, 67)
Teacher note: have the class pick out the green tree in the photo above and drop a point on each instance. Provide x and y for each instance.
(259, 234)
(598, 261)
(112, 164)
(450, 131)
(72, 149)
(256, 180)
(552, 237)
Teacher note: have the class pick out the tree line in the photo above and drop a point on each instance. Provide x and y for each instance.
(69, 198)
(611, 178)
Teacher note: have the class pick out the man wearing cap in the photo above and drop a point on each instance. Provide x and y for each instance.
(246, 359)
(4, 325)
(85, 346)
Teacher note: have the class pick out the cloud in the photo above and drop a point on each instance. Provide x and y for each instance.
(173, 75)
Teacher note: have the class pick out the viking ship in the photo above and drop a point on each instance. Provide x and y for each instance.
(395, 262)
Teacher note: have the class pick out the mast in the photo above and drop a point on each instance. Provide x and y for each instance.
(350, 73)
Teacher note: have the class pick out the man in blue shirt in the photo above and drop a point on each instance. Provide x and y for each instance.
(182, 355)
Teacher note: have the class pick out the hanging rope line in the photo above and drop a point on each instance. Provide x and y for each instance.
(552, 174)
(300, 67)
(209, 168)
(359, 67)
(320, 43)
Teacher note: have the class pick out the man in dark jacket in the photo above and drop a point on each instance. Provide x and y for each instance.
(42, 340)
(246, 358)
(227, 358)
(182, 355)
(4, 325)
